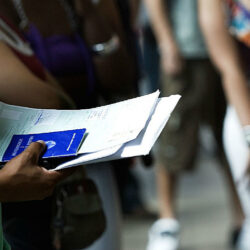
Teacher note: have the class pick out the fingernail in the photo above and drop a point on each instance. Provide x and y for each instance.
(42, 142)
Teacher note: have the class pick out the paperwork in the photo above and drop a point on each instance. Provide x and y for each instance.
(115, 131)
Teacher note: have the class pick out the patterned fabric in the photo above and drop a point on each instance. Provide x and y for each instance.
(239, 20)
(202, 96)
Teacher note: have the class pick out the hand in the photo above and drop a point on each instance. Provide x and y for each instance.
(22, 179)
(171, 60)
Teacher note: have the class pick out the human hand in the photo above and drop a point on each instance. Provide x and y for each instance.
(22, 179)
(171, 60)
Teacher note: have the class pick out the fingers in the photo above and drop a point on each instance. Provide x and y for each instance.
(34, 151)
(58, 175)
(53, 177)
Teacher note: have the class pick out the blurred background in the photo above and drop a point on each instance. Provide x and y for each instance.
(192, 191)
(203, 206)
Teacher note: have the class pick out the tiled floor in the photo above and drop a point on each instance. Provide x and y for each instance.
(203, 208)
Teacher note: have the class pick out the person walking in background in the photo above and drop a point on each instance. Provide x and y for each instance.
(149, 52)
(185, 70)
(227, 34)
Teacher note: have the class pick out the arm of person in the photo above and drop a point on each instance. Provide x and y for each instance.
(170, 55)
(22, 179)
(225, 56)
(19, 86)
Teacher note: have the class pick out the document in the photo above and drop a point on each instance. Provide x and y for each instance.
(59, 144)
(115, 131)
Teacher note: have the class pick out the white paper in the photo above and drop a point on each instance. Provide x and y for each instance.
(107, 126)
(139, 146)
(119, 130)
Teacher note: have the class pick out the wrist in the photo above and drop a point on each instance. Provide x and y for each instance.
(168, 47)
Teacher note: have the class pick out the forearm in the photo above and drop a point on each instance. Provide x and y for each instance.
(38, 96)
(171, 57)
(224, 54)
(160, 23)
(18, 86)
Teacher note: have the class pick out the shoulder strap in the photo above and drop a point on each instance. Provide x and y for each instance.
(13, 39)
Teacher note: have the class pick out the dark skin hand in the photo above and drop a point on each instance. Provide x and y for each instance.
(22, 179)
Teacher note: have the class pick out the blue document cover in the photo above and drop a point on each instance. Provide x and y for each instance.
(59, 144)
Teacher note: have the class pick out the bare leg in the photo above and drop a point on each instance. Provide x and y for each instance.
(166, 186)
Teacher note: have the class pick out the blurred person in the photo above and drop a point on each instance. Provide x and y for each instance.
(149, 51)
(116, 67)
(108, 54)
(186, 70)
(17, 56)
(21, 179)
(226, 26)
(120, 15)
(27, 224)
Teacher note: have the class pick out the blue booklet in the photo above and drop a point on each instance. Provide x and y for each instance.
(59, 144)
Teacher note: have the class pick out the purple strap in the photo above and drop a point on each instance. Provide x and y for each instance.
(63, 55)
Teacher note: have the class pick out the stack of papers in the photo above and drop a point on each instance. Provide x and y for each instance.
(124, 129)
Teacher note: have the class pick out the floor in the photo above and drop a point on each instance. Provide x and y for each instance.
(203, 208)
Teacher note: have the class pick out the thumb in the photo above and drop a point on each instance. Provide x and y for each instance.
(35, 150)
